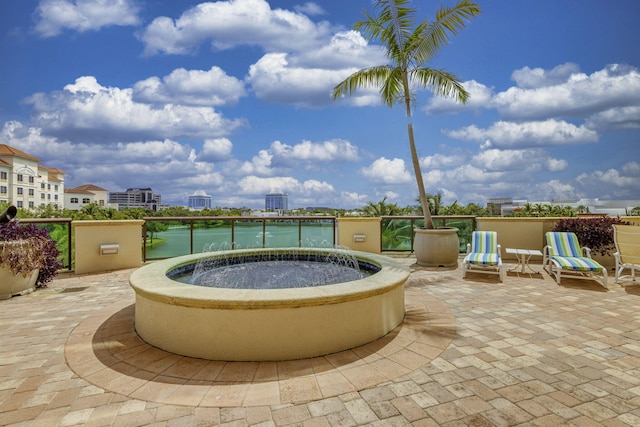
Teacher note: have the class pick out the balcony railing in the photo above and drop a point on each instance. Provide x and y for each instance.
(187, 235)
(166, 237)
(397, 231)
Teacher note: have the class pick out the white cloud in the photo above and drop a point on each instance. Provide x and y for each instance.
(260, 164)
(53, 16)
(89, 112)
(479, 97)
(442, 161)
(556, 165)
(352, 199)
(231, 23)
(307, 80)
(613, 183)
(580, 95)
(529, 134)
(386, 171)
(615, 118)
(310, 8)
(472, 175)
(336, 150)
(190, 87)
(273, 80)
(631, 169)
(216, 150)
(521, 161)
(531, 78)
(254, 185)
(346, 50)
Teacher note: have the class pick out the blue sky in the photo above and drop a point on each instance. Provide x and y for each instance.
(233, 98)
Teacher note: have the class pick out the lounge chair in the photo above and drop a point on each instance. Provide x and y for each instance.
(627, 241)
(483, 254)
(563, 257)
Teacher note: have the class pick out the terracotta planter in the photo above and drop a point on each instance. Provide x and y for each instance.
(16, 284)
(437, 247)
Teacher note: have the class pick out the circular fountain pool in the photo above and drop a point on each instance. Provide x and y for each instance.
(266, 324)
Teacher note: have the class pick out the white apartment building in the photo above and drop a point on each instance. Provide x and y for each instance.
(27, 184)
(83, 195)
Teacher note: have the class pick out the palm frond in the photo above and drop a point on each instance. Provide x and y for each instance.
(392, 89)
(437, 34)
(440, 82)
(368, 77)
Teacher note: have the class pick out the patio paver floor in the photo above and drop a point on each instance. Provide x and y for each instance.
(526, 352)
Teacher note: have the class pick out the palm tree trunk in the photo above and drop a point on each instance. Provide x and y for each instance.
(428, 221)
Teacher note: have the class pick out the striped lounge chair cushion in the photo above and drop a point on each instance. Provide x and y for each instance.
(577, 263)
(484, 242)
(483, 258)
(563, 244)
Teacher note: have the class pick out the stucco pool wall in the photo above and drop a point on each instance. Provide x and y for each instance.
(266, 324)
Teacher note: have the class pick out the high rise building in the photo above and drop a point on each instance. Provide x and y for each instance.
(199, 200)
(136, 198)
(276, 202)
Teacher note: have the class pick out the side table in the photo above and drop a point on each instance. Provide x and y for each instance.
(523, 256)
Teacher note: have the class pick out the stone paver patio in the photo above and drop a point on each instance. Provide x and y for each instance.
(471, 352)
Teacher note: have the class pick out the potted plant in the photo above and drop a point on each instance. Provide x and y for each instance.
(28, 258)
(408, 48)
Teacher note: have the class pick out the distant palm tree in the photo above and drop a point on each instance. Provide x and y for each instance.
(381, 208)
(582, 209)
(538, 209)
(408, 48)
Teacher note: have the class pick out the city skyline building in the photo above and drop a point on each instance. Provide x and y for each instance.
(276, 202)
(199, 200)
(136, 198)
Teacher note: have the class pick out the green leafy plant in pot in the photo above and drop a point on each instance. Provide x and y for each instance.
(408, 47)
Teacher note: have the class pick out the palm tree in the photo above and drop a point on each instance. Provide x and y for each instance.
(408, 48)
(381, 208)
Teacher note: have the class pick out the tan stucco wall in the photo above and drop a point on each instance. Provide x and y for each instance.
(89, 235)
(368, 227)
(518, 233)
(632, 219)
(528, 233)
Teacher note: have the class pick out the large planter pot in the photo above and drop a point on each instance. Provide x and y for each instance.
(437, 247)
(16, 284)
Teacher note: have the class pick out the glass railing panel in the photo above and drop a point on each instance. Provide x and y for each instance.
(166, 239)
(280, 233)
(212, 235)
(396, 234)
(317, 233)
(248, 234)
(465, 228)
